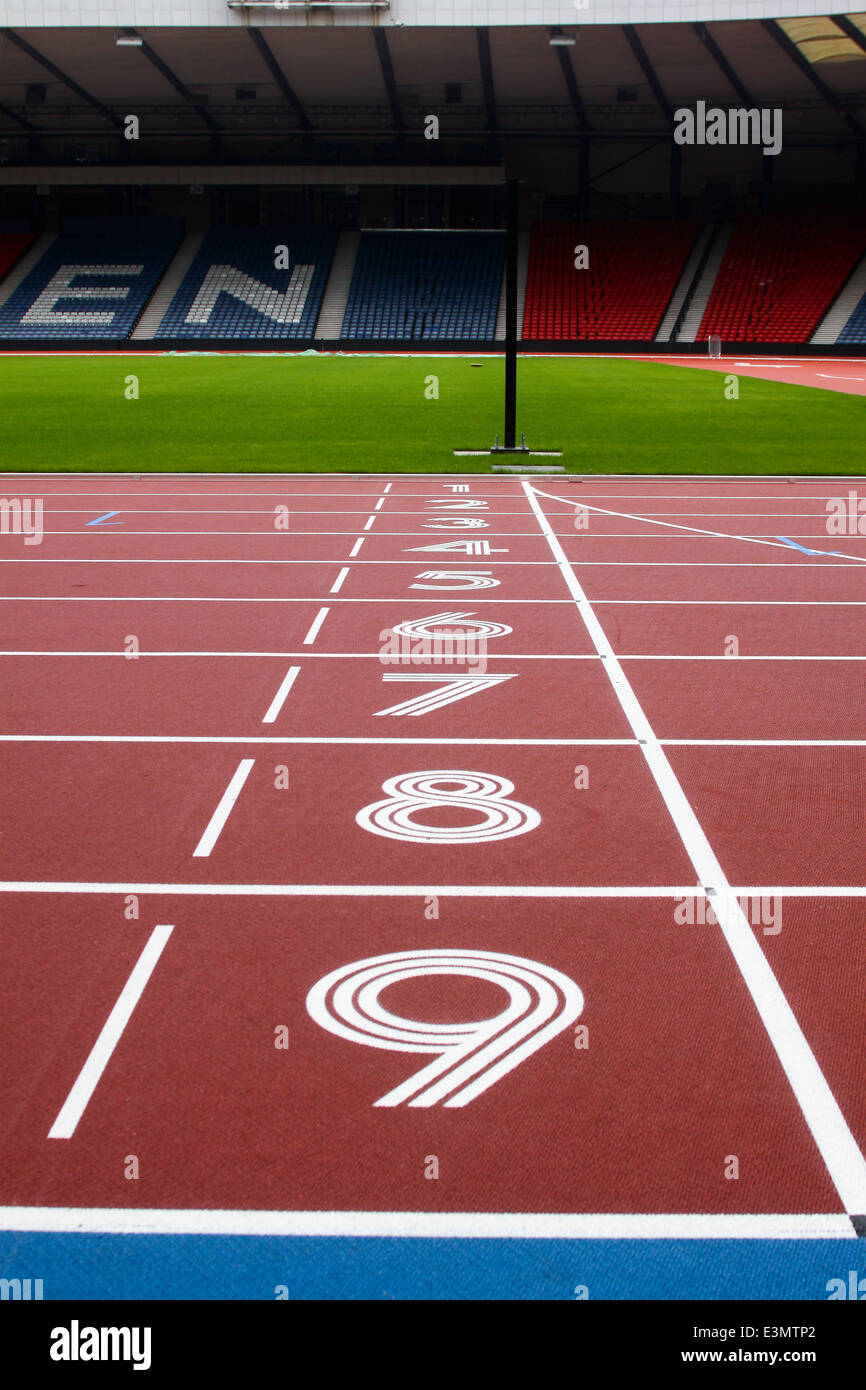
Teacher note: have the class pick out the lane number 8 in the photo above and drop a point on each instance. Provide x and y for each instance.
(399, 816)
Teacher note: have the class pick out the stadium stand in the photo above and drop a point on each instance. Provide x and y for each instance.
(233, 289)
(632, 271)
(425, 285)
(780, 274)
(93, 281)
(12, 248)
(854, 327)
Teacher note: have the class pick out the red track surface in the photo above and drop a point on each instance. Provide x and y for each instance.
(847, 374)
(113, 770)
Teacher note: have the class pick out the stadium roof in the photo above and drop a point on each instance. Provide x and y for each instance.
(294, 89)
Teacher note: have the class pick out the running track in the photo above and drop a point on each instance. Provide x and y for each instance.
(198, 727)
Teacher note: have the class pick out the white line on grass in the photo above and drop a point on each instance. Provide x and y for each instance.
(429, 1224)
(316, 625)
(277, 702)
(839, 1150)
(223, 810)
(100, 1055)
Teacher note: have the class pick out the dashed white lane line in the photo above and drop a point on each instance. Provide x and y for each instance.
(369, 522)
(315, 626)
(838, 1147)
(356, 547)
(223, 810)
(279, 699)
(338, 582)
(379, 505)
(100, 1055)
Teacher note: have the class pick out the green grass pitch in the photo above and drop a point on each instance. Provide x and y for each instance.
(308, 413)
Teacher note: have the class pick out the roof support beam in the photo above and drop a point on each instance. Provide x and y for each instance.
(788, 46)
(583, 180)
(384, 55)
(565, 63)
(844, 23)
(722, 62)
(19, 120)
(165, 71)
(482, 37)
(279, 77)
(648, 71)
(61, 76)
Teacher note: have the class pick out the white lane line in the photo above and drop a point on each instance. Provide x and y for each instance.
(445, 890)
(377, 656)
(315, 626)
(356, 547)
(360, 656)
(426, 1224)
(338, 582)
(212, 598)
(380, 890)
(379, 505)
(591, 564)
(723, 602)
(89, 1077)
(328, 740)
(500, 602)
(677, 526)
(839, 1150)
(828, 376)
(277, 702)
(388, 487)
(223, 810)
(369, 522)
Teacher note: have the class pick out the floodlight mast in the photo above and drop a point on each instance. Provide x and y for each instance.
(511, 248)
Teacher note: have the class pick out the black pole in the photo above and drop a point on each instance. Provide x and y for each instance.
(511, 315)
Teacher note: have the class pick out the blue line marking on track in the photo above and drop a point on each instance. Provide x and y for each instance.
(99, 519)
(804, 548)
(86, 1266)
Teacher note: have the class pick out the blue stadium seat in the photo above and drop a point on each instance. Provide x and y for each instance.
(233, 290)
(855, 329)
(425, 285)
(93, 281)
